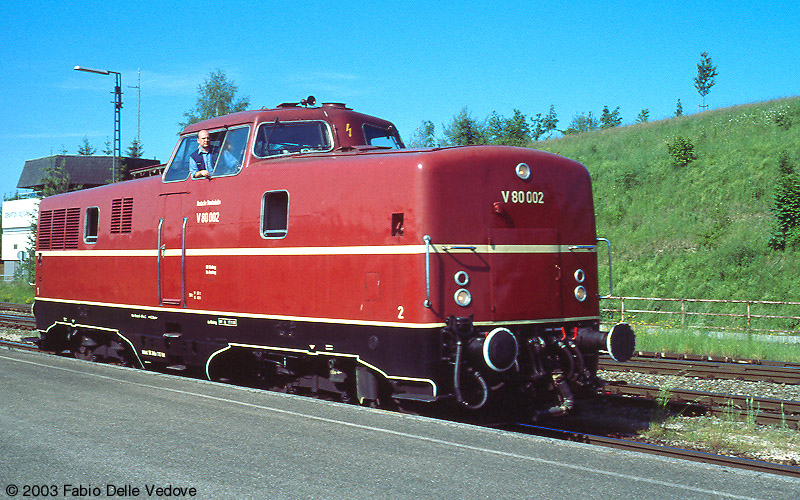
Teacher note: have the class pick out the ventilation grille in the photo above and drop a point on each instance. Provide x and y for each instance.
(59, 229)
(121, 215)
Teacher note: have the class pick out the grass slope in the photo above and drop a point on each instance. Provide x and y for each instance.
(700, 230)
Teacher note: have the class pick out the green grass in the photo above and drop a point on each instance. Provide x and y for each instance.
(734, 345)
(16, 292)
(699, 230)
(736, 434)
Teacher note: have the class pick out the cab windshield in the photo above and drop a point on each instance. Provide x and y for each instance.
(282, 138)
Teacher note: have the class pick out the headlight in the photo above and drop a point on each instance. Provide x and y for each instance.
(580, 275)
(461, 278)
(580, 293)
(523, 171)
(463, 297)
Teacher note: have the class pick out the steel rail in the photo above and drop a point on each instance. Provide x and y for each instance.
(24, 322)
(623, 444)
(10, 306)
(665, 451)
(711, 370)
(717, 359)
(766, 411)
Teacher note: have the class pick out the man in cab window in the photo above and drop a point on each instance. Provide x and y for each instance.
(202, 160)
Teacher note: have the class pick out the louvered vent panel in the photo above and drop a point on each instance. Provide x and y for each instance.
(121, 215)
(127, 215)
(45, 227)
(116, 215)
(57, 229)
(72, 228)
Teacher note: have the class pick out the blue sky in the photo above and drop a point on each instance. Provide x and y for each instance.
(403, 61)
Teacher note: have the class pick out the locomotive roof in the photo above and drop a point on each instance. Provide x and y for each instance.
(329, 111)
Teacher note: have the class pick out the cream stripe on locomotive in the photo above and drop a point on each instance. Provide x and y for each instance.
(231, 314)
(307, 251)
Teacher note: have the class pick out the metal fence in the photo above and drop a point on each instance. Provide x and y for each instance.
(757, 316)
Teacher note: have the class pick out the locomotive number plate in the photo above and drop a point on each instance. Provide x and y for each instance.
(532, 197)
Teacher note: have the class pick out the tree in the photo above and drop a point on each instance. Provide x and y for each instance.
(705, 77)
(644, 116)
(583, 122)
(786, 207)
(135, 150)
(679, 109)
(681, 150)
(513, 131)
(86, 149)
(107, 148)
(216, 97)
(424, 136)
(463, 130)
(609, 119)
(56, 180)
(544, 125)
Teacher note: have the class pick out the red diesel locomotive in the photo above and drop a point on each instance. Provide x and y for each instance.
(322, 255)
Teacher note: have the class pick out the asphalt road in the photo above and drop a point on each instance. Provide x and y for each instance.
(73, 429)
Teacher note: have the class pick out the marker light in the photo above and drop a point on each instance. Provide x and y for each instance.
(463, 297)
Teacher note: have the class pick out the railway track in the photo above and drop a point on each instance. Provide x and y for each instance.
(788, 414)
(709, 368)
(606, 441)
(766, 411)
(17, 316)
(664, 451)
(761, 410)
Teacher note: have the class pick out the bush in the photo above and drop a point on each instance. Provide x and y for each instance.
(786, 207)
(681, 150)
(17, 292)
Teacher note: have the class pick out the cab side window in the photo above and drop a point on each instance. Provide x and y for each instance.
(230, 155)
(90, 224)
(275, 214)
(178, 169)
(381, 137)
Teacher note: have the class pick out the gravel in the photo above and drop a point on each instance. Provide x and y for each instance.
(738, 387)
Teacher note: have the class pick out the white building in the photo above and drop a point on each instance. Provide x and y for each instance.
(18, 215)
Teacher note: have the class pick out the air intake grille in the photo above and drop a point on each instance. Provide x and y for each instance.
(121, 215)
(59, 229)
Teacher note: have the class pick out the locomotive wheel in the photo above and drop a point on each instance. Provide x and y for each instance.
(109, 351)
(86, 349)
(85, 353)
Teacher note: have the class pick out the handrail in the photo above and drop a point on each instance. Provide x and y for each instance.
(31, 274)
(427, 240)
(159, 250)
(610, 274)
(183, 262)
